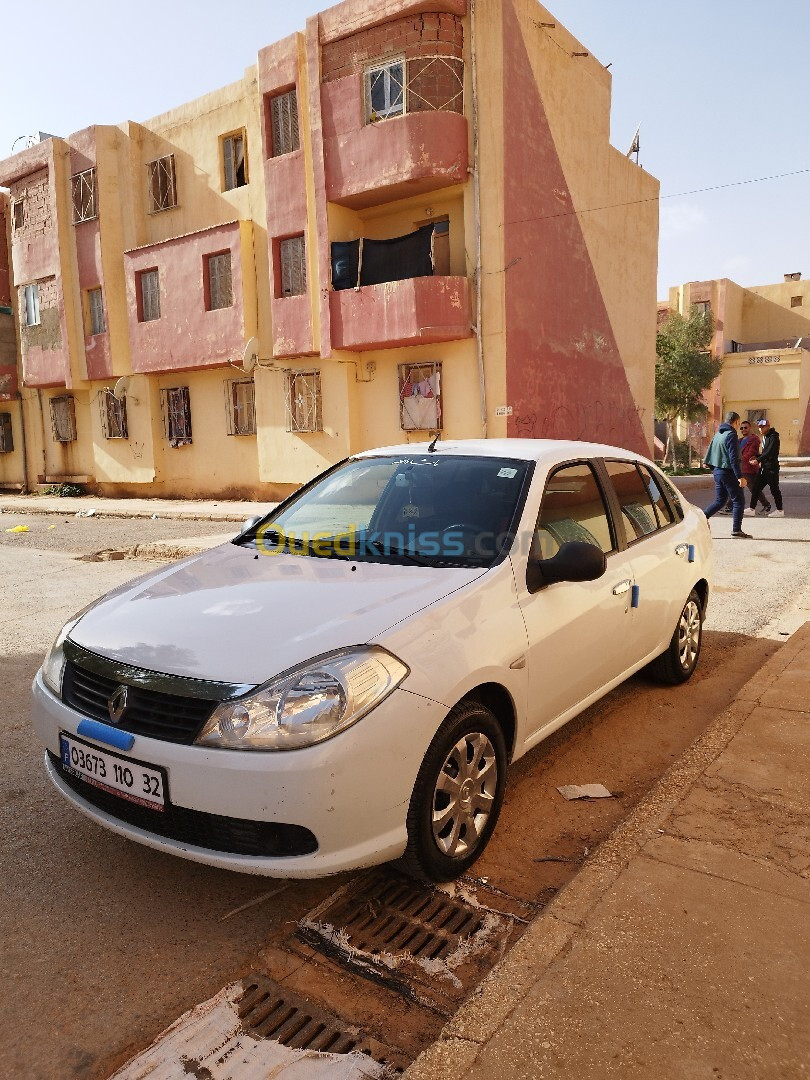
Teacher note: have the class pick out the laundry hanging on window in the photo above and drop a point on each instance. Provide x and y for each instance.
(374, 262)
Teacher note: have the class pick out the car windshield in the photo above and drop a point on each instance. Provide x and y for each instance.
(428, 509)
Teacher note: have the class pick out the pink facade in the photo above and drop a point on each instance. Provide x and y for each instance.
(415, 311)
(187, 334)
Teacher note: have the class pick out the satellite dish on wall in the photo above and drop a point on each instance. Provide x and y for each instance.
(250, 355)
(120, 388)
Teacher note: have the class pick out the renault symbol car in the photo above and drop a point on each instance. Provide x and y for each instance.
(346, 682)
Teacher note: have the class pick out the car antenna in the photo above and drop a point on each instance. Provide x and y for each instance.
(432, 447)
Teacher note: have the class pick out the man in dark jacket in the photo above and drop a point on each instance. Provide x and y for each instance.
(723, 456)
(768, 458)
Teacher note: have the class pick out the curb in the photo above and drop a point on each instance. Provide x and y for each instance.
(553, 931)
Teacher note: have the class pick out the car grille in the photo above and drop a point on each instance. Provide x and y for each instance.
(155, 715)
(234, 836)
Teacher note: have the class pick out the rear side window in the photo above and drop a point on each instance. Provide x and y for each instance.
(662, 510)
(639, 499)
(573, 508)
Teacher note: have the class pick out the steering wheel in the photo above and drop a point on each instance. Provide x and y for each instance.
(468, 530)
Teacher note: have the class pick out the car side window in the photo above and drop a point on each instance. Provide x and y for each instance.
(662, 510)
(573, 508)
(638, 517)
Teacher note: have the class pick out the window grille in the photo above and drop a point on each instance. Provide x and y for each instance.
(83, 188)
(240, 406)
(162, 185)
(220, 287)
(385, 89)
(421, 84)
(234, 161)
(30, 305)
(176, 410)
(113, 415)
(6, 437)
(292, 256)
(63, 419)
(149, 288)
(284, 123)
(303, 401)
(19, 214)
(420, 397)
(95, 303)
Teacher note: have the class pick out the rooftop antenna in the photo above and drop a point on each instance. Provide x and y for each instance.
(432, 447)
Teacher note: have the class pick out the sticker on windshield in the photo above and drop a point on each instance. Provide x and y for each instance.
(410, 511)
(508, 473)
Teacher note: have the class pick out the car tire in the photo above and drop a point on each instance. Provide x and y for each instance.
(457, 796)
(677, 664)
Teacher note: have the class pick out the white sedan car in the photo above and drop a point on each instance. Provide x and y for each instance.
(346, 682)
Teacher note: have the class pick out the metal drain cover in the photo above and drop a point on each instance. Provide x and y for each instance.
(268, 1010)
(416, 940)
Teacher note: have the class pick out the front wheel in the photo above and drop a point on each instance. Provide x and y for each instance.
(457, 796)
(680, 660)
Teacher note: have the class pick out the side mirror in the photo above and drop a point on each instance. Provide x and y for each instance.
(575, 561)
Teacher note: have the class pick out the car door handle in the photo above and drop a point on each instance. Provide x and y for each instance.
(686, 551)
(622, 588)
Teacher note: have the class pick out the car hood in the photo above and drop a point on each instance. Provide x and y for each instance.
(231, 615)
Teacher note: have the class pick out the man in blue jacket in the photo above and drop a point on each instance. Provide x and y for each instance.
(723, 456)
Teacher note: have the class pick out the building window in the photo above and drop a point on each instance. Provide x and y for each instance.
(6, 437)
(420, 397)
(234, 160)
(63, 419)
(161, 180)
(303, 401)
(293, 266)
(240, 407)
(796, 301)
(95, 310)
(83, 190)
(30, 305)
(19, 214)
(440, 243)
(218, 285)
(385, 90)
(284, 123)
(148, 295)
(113, 415)
(704, 307)
(176, 410)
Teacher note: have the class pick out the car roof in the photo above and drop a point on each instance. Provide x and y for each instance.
(544, 451)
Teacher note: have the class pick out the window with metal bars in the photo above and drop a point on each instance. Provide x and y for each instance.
(303, 401)
(420, 396)
(234, 160)
(95, 310)
(162, 184)
(83, 191)
(293, 266)
(30, 305)
(148, 295)
(19, 214)
(6, 436)
(176, 410)
(63, 419)
(218, 284)
(283, 109)
(240, 406)
(385, 90)
(113, 415)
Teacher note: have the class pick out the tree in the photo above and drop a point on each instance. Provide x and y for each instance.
(684, 370)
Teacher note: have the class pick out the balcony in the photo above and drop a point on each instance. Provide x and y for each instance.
(413, 311)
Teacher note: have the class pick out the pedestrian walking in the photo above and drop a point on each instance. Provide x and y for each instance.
(750, 445)
(723, 456)
(768, 459)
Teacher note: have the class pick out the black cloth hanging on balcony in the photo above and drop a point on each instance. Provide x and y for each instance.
(401, 257)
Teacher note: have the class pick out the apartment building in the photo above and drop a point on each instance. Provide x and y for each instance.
(762, 334)
(405, 219)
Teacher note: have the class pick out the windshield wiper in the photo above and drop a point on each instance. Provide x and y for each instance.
(390, 549)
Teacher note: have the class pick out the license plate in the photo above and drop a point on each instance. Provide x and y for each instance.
(131, 780)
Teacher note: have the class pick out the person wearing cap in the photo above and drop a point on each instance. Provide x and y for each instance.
(723, 457)
(750, 445)
(768, 459)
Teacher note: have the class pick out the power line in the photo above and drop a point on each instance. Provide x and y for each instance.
(660, 198)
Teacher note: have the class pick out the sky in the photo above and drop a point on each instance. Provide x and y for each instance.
(716, 86)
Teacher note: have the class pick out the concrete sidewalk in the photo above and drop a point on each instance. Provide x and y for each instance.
(682, 949)
(177, 509)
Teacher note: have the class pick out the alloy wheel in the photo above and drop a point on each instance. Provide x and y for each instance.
(464, 795)
(689, 635)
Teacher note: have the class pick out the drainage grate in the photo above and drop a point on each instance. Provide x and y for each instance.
(269, 1011)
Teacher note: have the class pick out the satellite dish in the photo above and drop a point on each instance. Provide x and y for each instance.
(120, 388)
(250, 355)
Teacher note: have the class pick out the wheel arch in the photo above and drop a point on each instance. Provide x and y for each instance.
(702, 589)
(499, 701)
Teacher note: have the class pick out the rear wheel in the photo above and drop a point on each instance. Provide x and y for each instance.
(680, 660)
(457, 796)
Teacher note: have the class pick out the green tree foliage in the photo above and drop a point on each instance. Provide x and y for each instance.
(684, 370)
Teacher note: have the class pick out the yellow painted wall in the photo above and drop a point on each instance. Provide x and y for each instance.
(780, 389)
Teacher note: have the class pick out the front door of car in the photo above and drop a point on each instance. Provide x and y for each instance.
(577, 631)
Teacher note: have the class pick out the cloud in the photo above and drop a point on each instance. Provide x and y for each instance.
(680, 220)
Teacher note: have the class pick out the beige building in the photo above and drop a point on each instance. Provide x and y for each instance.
(762, 334)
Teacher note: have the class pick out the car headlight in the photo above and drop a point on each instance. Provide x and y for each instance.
(53, 666)
(307, 705)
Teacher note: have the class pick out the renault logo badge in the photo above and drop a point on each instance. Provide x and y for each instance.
(116, 703)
